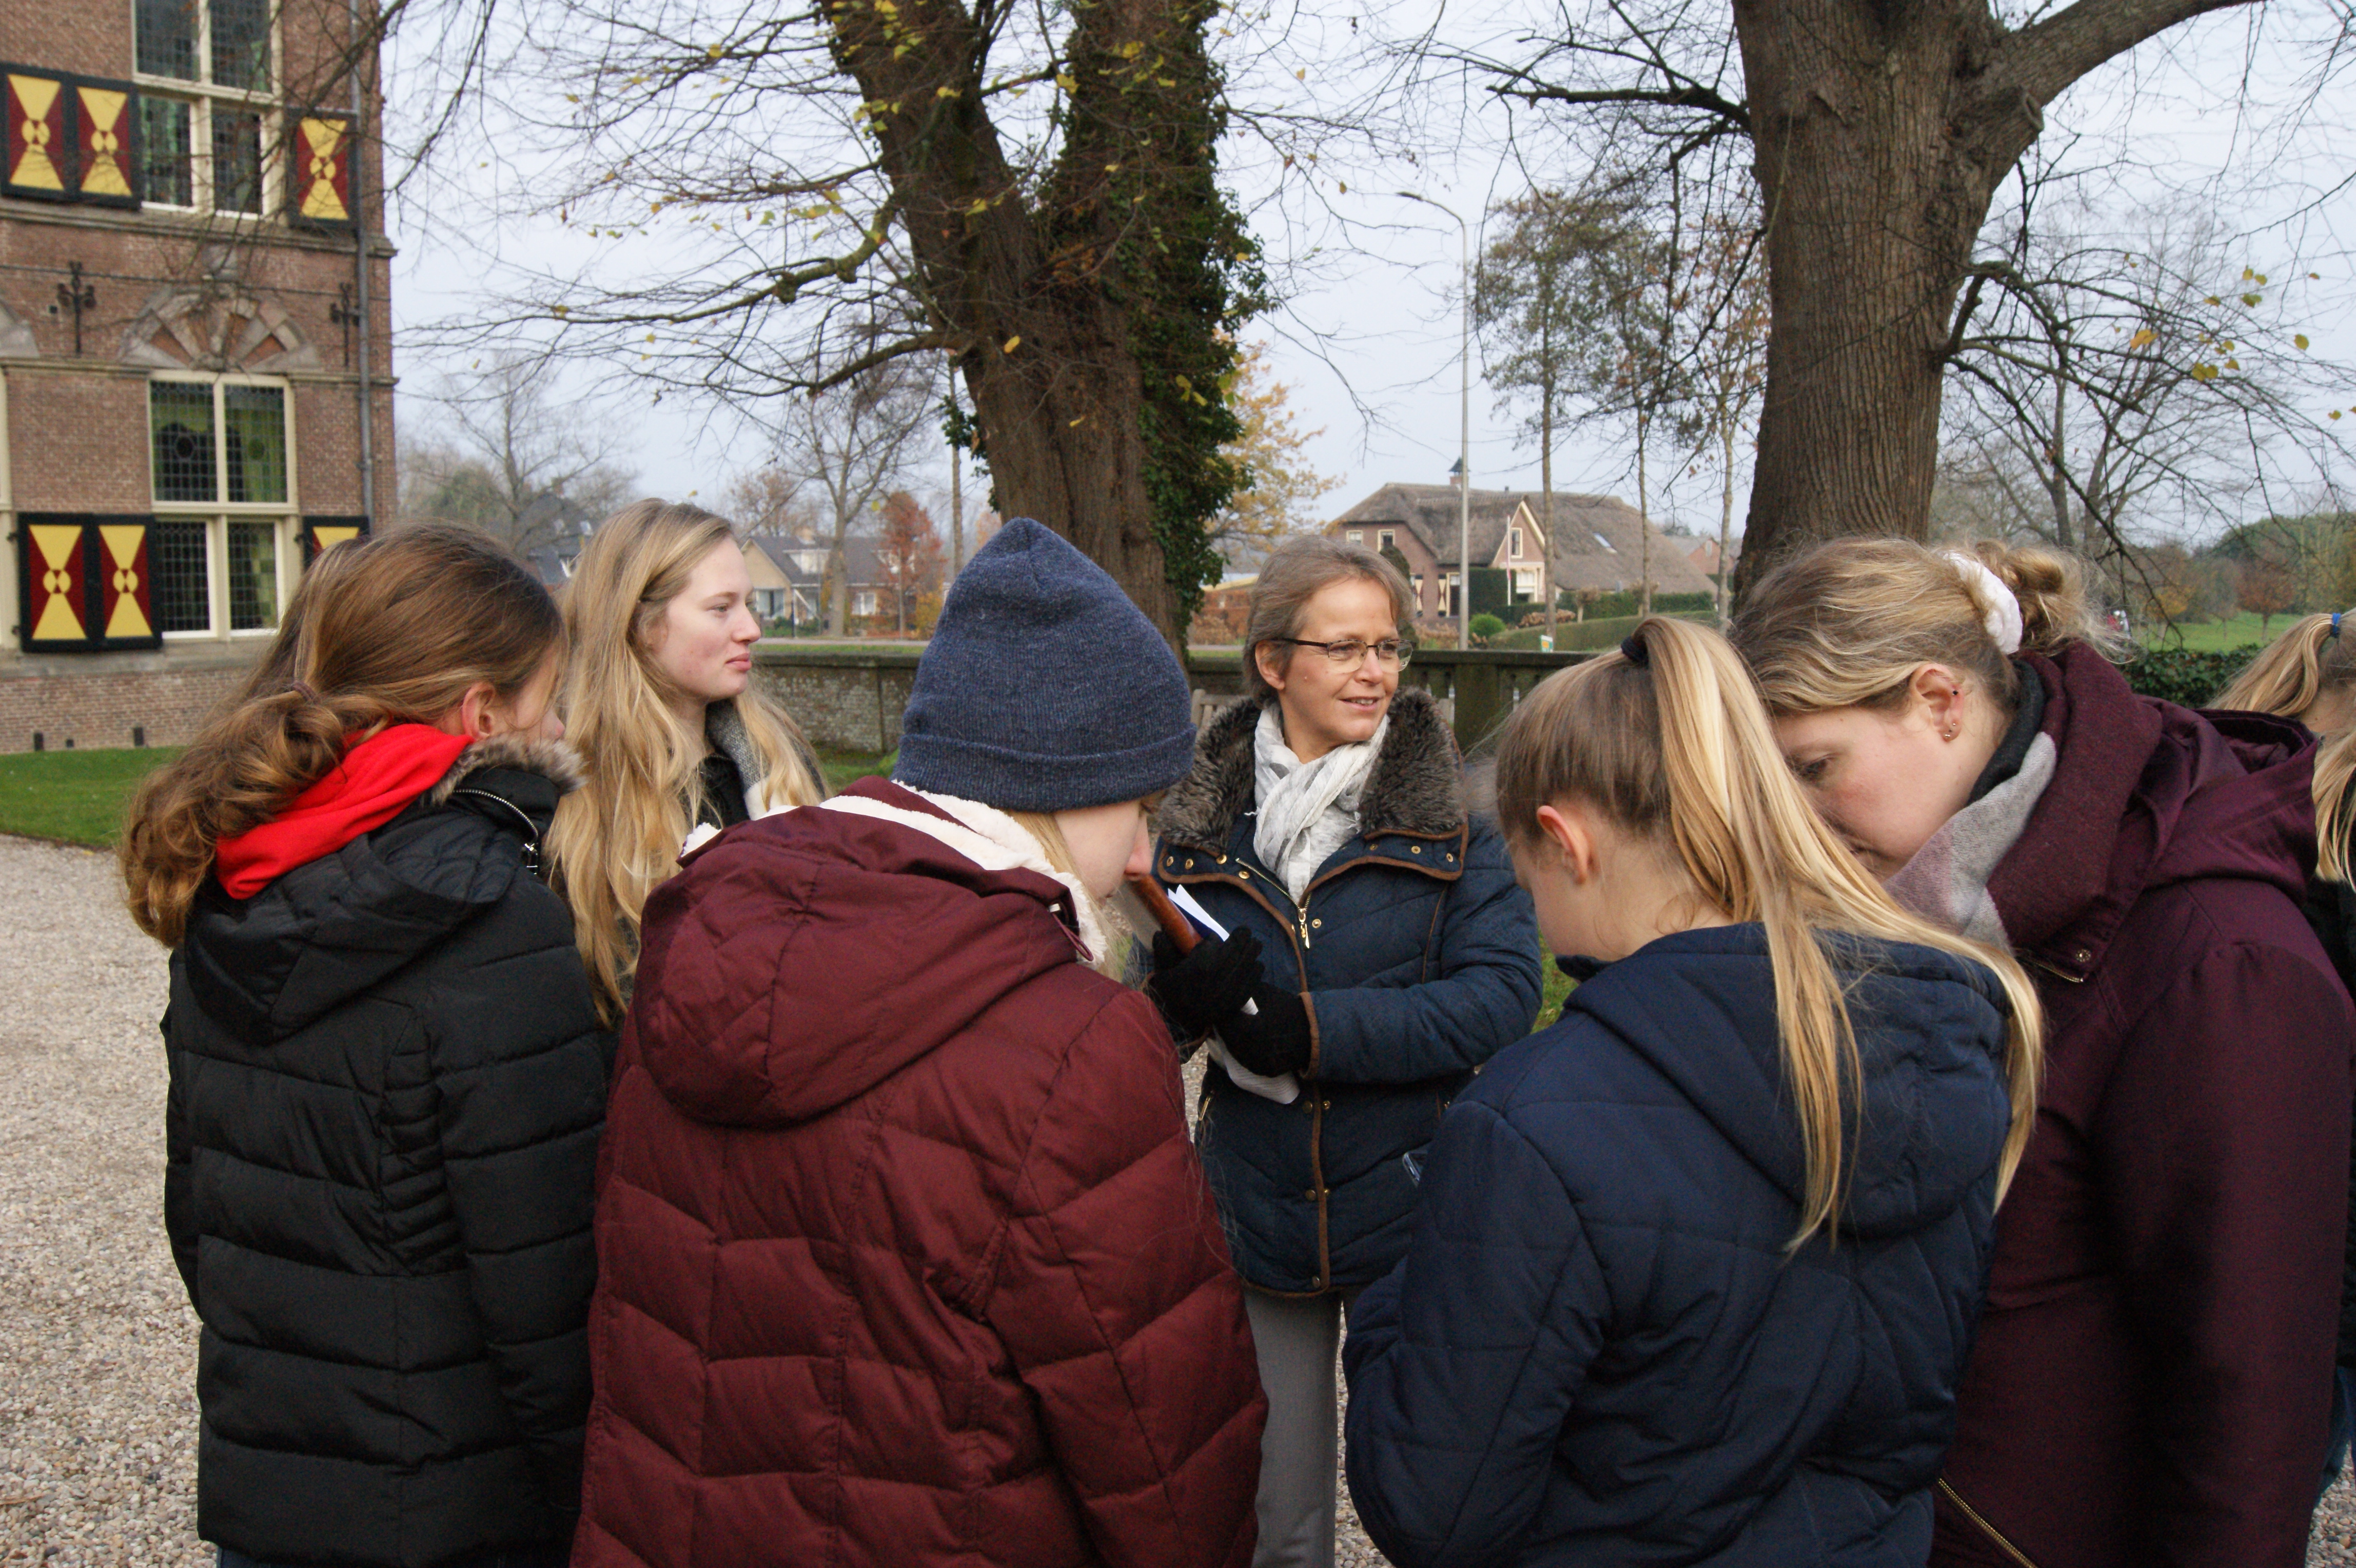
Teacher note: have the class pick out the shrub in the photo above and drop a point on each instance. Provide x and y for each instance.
(1486, 626)
(2190, 676)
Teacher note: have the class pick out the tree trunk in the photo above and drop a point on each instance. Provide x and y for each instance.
(1882, 132)
(1040, 341)
(1725, 504)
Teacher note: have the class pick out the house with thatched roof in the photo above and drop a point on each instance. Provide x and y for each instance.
(1601, 543)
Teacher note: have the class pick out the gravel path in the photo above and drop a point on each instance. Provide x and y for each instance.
(98, 1348)
(97, 1344)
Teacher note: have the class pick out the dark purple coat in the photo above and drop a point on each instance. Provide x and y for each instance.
(2150, 1380)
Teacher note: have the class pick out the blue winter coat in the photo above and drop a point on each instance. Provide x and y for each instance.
(1598, 1350)
(1419, 957)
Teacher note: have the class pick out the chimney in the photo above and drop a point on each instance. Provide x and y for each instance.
(1456, 475)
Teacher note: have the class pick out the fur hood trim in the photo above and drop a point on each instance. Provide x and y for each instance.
(1417, 786)
(551, 759)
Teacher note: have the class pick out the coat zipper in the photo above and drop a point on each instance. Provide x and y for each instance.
(1972, 1514)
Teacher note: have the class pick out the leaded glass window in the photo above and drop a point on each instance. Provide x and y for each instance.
(180, 417)
(181, 594)
(241, 51)
(254, 426)
(167, 38)
(236, 162)
(253, 576)
(165, 160)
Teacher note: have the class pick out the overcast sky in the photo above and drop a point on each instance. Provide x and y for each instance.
(1368, 337)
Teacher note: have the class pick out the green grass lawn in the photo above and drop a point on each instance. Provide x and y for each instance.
(79, 796)
(2219, 636)
(75, 795)
(844, 768)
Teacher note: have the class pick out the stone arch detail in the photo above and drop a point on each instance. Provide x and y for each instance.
(194, 329)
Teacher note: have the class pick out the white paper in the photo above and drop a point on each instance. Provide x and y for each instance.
(1285, 1087)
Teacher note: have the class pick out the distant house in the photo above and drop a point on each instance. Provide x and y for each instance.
(788, 573)
(1601, 543)
(1704, 555)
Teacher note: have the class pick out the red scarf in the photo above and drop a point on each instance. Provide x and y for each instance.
(373, 784)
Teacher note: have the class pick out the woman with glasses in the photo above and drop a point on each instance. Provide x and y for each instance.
(1378, 951)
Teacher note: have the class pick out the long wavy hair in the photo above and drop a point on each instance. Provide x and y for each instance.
(384, 630)
(1676, 750)
(2299, 670)
(617, 838)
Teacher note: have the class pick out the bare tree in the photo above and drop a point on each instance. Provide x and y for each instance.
(853, 444)
(1034, 191)
(2156, 383)
(514, 459)
(1879, 137)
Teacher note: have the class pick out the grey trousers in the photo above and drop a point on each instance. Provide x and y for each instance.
(1299, 1346)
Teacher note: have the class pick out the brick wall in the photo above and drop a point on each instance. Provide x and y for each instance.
(103, 708)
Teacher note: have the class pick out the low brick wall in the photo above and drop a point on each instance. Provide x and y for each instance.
(115, 700)
(849, 699)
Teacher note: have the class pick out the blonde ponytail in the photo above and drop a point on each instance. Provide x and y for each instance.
(1677, 748)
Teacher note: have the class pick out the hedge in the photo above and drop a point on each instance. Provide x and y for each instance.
(2190, 676)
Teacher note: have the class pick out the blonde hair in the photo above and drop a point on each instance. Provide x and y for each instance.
(616, 839)
(1296, 572)
(389, 630)
(1848, 622)
(1677, 751)
(2296, 671)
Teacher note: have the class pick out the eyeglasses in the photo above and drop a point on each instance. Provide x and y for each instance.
(1394, 651)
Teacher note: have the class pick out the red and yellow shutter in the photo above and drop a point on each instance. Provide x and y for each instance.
(126, 603)
(320, 191)
(53, 571)
(38, 144)
(326, 533)
(105, 143)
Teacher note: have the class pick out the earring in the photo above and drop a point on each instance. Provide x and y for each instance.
(1949, 733)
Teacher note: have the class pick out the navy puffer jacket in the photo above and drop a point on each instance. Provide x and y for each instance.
(1419, 958)
(1597, 1350)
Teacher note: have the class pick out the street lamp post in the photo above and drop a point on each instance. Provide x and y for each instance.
(1464, 425)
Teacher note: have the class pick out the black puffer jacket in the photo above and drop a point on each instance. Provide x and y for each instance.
(387, 1084)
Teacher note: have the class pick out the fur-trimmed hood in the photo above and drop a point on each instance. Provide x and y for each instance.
(551, 759)
(1417, 786)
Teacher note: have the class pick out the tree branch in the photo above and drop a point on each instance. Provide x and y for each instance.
(2046, 56)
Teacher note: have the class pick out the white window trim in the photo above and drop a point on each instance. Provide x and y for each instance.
(204, 96)
(1514, 553)
(217, 515)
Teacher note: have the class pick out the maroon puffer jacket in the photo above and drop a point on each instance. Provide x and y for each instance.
(2150, 1380)
(904, 1257)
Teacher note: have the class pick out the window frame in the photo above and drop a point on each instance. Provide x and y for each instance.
(217, 515)
(205, 98)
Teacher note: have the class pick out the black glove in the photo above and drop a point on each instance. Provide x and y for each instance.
(1273, 1040)
(1195, 990)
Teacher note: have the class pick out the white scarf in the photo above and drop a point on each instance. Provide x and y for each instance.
(1947, 879)
(1307, 810)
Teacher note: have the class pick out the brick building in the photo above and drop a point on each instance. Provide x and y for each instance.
(1601, 545)
(187, 313)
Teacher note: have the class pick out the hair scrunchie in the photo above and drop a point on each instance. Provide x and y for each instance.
(1999, 605)
(303, 690)
(1635, 653)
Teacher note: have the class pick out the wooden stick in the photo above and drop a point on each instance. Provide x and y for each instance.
(1165, 914)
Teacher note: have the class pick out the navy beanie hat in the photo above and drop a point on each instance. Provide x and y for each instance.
(1044, 688)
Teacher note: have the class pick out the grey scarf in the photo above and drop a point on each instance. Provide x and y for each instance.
(1307, 810)
(1947, 879)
